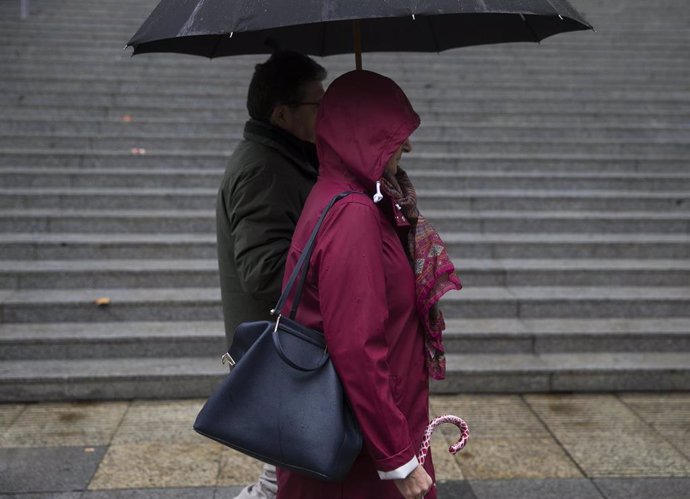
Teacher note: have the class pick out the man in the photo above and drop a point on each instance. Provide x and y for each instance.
(267, 180)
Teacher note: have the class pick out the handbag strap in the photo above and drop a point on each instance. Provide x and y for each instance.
(302, 265)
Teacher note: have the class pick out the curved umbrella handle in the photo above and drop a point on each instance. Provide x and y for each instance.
(453, 449)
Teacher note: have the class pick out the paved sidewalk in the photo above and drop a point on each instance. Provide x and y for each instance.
(530, 446)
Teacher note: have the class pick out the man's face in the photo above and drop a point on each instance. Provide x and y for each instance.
(300, 119)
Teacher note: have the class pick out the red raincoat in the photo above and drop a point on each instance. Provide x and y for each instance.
(360, 289)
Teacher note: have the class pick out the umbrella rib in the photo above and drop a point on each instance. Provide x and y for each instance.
(433, 34)
(531, 30)
(323, 39)
(215, 47)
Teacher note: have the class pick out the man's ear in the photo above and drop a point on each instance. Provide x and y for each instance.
(278, 116)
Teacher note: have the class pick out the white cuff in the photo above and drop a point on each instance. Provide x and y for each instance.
(400, 473)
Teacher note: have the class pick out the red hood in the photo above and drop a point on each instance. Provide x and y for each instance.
(362, 121)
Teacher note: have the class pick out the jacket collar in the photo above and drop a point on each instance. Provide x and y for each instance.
(303, 154)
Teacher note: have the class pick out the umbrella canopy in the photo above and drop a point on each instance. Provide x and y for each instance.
(215, 28)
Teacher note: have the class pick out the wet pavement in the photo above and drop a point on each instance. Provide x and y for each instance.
(521, 446)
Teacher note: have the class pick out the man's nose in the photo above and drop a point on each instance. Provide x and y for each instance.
(407, 146)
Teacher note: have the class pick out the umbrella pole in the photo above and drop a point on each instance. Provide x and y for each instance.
(357, 34)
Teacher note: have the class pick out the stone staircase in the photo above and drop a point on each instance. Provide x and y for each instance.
(557, 174)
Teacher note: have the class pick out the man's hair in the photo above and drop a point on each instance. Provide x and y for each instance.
(280, 80)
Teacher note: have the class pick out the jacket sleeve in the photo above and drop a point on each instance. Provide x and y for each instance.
(352, 296)
(262, 214)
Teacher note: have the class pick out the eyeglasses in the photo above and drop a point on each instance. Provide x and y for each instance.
(297, 104)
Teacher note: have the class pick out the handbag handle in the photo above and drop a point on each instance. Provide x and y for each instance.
(302, 265)
(281, 351)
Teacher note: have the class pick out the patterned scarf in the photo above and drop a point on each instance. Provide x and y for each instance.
(434, 272)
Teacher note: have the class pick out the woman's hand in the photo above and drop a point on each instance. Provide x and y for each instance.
(416, 485)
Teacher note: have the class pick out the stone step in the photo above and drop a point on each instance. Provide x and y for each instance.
(195, 304)
(109, 379)
(553, 245)
(77, 168)
(477, 199)
(75, 246)
(188, 176)
(585, 372)
(188, 304)
(195, 377)
(576, 118)
(544, 336)
(555, 144)
(143, 128)
(559, 221)
(102, 340)
(421, 99)
(162, 273)
(82, 340)
(550, 302)
(570, 170)
(203, 221)
(31, 91)
(157, 121)
(434, 72)
(439, 106)
(433, 78)
(556, 200)
(110, 83)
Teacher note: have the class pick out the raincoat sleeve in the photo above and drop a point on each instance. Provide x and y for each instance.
(353, 302)
(263, 213)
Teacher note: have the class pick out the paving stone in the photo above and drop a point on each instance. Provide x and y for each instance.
(64, 425)
(8, 414)
(151, 493)
(668, 414)
(459, 489)
(606, 438)
(165, 422)
(514, 458)
(44, 495)
(50, 470)
(644, 488)
(506, 439)
(490, 416)
(543, 489)
(237, 469)
(158, 465)
(227, 492)
(446, 465)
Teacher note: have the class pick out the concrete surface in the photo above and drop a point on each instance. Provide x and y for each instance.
(580, 446)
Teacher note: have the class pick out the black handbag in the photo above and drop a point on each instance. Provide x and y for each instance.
(282, 402)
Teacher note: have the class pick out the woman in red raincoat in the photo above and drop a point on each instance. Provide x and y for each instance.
(377, 271)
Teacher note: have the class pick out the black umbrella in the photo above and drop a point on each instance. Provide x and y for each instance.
(215, 28)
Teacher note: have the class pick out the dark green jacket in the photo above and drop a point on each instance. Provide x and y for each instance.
(267, 180)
